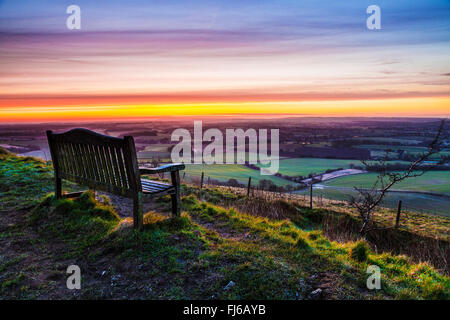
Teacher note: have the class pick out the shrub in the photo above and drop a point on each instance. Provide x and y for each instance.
(182, 222)
(302, 244)
(360, 251)
(315, 234)
(290, 233)
(189, 200)
(4, 152)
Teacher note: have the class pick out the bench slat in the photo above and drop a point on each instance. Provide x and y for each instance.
(122, 168)
(155, 183)
(102, 152)
(109, 165)
(73, 159)
(116, 167)
(101, 165)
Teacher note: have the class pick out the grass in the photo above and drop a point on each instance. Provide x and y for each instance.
(360, 251)
(224, 172)
(306, 166)
(284, 238)
(190, 257)
(30, 177)
(432, 181)
(427, 204)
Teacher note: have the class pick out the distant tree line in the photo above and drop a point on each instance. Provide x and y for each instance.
(379, 167)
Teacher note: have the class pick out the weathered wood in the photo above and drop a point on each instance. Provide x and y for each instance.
(122, 170)
(53, 153)
(73, 194)
(399, 210)
(201, 180)
(249, 186)
(166, 168)
(108, 164)
(109, 168)
(176, 201)
(137, 211)
(311, 196)
(116, 167)
(58, 188)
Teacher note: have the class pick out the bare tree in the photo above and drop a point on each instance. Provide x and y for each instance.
(368, 200)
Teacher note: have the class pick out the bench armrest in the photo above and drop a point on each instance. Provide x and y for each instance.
(166, 168)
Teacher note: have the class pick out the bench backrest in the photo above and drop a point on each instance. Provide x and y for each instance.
(97, 161)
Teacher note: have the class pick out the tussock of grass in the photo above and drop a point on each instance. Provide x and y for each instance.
(4, 153)
(360, 251)
(315, 235)
(302, 244)
(80, 223)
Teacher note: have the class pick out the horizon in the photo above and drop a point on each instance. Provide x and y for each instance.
(222, 117)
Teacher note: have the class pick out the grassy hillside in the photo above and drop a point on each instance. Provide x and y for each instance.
(259, 249)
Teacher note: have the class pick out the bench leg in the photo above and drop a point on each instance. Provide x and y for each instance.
(137, 211)
(58, 188)
(176, 201)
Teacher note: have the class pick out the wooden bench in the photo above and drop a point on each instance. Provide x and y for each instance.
(109, 164)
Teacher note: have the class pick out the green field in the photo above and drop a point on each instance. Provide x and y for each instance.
(432, 181)
(289, 167)
(416, 202)
(305, 166)
(224, 172)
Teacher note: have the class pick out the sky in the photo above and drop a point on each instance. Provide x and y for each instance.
(150, 58)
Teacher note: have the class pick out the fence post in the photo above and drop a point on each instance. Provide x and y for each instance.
(184, 174)
(201, 180)
(399, 210)
(249, 185)
(311, 195)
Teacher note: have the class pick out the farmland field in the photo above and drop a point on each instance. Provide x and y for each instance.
(417, 202)
(408, 149)
(432, 181)
(224, 172)
(305, 166)
(389, 139)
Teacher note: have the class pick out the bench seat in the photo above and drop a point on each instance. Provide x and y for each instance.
(153, 187)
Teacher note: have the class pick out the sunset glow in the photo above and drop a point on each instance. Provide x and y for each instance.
(223, 57)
